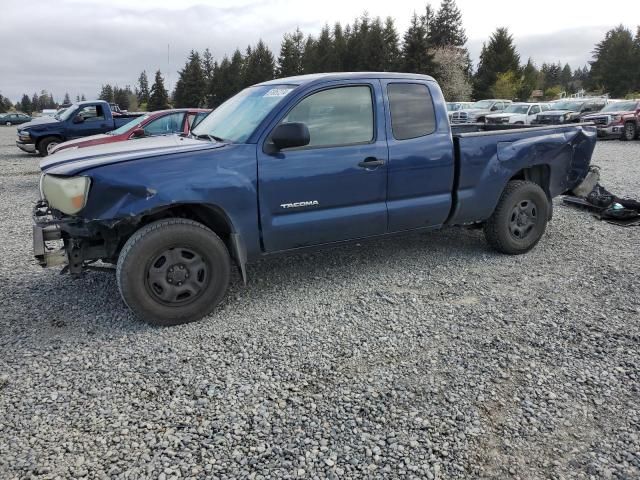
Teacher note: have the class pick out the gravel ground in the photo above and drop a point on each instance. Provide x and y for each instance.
(428, 356)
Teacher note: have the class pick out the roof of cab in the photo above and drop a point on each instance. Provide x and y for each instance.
(325, 77)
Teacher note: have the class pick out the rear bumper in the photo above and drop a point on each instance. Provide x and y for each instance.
(26, 147)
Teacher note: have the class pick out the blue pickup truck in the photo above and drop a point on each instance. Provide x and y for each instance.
(289, 164)
(79, 120)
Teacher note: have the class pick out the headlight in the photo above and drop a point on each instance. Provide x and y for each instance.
(616, 118)
(24, 134)
(67, 194)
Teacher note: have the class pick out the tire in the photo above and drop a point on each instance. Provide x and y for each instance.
(46, 144)
(8, 124)
(173, 271)
(629, 132)
(519, 220)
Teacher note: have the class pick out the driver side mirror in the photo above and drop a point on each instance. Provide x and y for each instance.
(137, 133)
(78, 119)
(290, 135)
(494, 108)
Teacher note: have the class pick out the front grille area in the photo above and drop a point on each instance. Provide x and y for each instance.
(460, 117)
(546, 119)
(600, 120)
(499, 120)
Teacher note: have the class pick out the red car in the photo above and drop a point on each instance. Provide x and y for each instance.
(162, 122)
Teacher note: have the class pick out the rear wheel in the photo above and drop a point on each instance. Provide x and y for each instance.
(47, 144)
(520, 218)
(629, 132)
(8, 124)
(173, 271)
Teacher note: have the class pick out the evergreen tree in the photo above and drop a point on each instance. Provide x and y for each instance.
(77, 98)
(208, 65)
(190, 90)
(428, 20)
(25, 104)
(5, 104)
(391, 50)
(376, 47)
(566, 77)
(615, 64)
(309, 64)
(142, 89)
(447, 26)
(158, 96)
(35, 102)
(235, 74)
(415, 47)
(496, 57)
(83, 98)
(324, 52)
(106, 93)
(340, 47)
(291, 53)
(67, 99)
(121, 97)
(260, 64)
(529, 81)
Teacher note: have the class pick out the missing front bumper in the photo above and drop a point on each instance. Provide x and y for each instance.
(46, 255)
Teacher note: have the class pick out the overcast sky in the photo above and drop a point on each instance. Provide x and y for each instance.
(76, 45)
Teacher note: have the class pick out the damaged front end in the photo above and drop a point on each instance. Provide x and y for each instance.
(60, 240)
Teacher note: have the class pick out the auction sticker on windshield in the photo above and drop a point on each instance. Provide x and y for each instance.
(277, 92)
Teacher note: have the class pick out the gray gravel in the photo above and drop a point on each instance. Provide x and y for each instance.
(428, 356)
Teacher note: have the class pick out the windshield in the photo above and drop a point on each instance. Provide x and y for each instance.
(571, 106)
(128, 126)
(620, 107)
(517, 109)
(237, 118)
(67, 113)
(482, 104)
(452, 107)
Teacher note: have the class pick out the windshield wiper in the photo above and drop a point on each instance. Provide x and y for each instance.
(212, 138)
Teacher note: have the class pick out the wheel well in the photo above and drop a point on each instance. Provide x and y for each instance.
(40, 140)
(537, 174)
(210, 216)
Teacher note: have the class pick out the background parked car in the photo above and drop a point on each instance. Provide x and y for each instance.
(570, 111)
(162, 122)
(518, 114)
(455, 106)
(618, 120)
(477, 112)
(14, 118)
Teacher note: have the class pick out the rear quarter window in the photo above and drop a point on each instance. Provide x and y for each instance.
(411, 109)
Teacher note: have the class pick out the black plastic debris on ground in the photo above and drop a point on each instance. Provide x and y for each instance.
(604, 205)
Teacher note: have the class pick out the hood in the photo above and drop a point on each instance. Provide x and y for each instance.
(504, 115)
(613, 114)
(40, 121)
(73, 161)
(557, 113)
(472, 111)
(78, 142)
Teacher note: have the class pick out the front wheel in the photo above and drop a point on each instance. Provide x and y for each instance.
(173, 271)
(629, 132)
(8, 124)
(46, 145)
(520, 218)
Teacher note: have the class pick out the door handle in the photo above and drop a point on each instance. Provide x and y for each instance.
(371, 162)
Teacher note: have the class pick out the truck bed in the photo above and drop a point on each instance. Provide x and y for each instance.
(486, 159)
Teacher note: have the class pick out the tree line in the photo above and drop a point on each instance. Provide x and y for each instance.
(434, 43)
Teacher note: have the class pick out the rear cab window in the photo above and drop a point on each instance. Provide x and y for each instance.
(411, 108)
